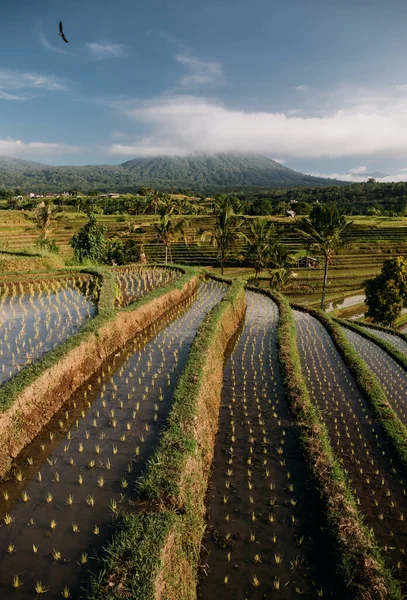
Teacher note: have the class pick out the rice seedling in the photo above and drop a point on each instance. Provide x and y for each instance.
(40, 588)
(75, 527)
(56, 555)
(117, 390)
(17, 583)
(8, 519)
(356, 436)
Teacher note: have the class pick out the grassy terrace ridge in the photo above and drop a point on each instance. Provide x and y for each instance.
(155, 553)
(106, 312)
(388, 347)
(395, 332)
(360, 561)
(367, 383)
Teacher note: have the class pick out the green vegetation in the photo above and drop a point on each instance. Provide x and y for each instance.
(220, 171)
(226, 231)
(11, 389)
(90, 242)
(260, 241)
(386, 294)
(323, 230)
(396, 354)
(361, 564)
(175, 480)
(168, 230)
(369, 386)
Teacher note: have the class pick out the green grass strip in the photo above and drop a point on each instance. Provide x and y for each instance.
(170, 493)
(388, 347)
(368, 385)
(132, 563)
(360, 561)
(375, 326)
(160, 480)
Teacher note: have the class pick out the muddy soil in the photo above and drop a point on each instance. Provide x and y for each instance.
(392, 377)
(68, 483)
(263, 538)
(378, 482)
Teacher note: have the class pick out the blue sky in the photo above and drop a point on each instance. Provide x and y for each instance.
(320, 85)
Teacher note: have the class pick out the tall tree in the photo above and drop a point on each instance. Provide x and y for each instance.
(90, 242)
(168, 230)
(386, 294)
(280, 266)
(323, 230)
(227, 229)
(260, 240)
(153, 201)
(44, 216)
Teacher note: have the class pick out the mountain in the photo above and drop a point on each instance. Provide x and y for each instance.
(197, 172)
(219, 170)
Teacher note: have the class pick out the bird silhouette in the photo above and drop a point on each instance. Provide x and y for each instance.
(61, 33)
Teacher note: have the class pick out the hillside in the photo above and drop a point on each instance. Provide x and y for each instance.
(200, 173)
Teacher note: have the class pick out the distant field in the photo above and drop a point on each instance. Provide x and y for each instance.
(369, 243)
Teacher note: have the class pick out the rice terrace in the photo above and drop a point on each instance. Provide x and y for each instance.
(197, 401)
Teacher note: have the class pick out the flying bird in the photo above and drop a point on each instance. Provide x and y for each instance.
(61, 33)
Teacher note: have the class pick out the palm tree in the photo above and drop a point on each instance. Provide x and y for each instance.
(168, 231)
(260, 240)
(323, 230)
(153, 200)
(44, 216)
(226, 229)
(280, 266)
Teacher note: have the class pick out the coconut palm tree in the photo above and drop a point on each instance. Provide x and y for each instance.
(226, 229)
(168, 231)
(323, 230)
(153, 201)
(44, 216)
(280, 266)
(260, 240)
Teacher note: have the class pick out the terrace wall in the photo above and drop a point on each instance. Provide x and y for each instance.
(155, 553)
(31, 399)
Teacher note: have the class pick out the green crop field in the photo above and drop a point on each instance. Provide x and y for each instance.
(156, 418)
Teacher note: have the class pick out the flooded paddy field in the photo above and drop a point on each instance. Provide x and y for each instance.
(378, 483)
(264, 536)
(135, 282)
(34, 323)
(57, 503)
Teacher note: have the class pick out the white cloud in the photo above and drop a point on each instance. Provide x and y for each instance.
(200, 72)
(303, 88)
(358, 170)
(353, 177)
(103, 50)
(10, 147)
(185, 124)
(17, 80)
(5, 96)
(49, 46)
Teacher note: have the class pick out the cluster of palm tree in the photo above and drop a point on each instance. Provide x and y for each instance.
(169, 230)
(323, 231)
(262, 248)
